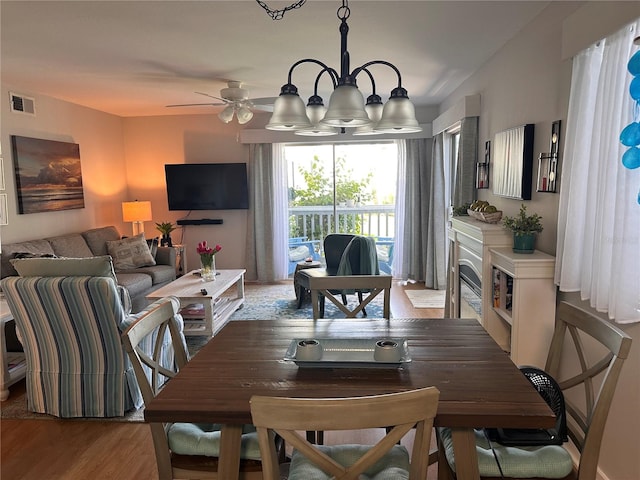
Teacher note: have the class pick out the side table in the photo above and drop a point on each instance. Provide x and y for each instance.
(13, 366)
(181, 259)
(300, 290)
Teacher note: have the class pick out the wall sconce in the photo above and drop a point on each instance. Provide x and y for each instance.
(548, 162)
(482, 168)
(137, 213)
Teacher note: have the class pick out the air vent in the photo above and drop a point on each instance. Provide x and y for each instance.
(22, 104)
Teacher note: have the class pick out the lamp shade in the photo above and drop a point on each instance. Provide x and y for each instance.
(315, 113)
(374, 110)
(136, 211)
(398, 116)
(346, 108)
(289, 113)
(226, 115)
(244, 115)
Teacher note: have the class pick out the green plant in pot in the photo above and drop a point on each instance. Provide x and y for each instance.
(165, 228)
(524, 228)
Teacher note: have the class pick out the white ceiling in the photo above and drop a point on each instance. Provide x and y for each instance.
(132, 58)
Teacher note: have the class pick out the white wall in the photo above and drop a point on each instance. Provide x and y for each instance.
(528, 82)
(100, 137)
(152, 142)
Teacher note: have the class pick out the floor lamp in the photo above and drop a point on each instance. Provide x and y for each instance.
(137, 213)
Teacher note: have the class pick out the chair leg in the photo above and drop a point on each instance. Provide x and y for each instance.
(344, 299)
(301, 292)
(364, 312)
(322, 306)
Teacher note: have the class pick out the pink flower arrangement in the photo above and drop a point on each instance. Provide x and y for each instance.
(207, 253)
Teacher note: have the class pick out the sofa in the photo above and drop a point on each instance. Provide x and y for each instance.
(139, 275)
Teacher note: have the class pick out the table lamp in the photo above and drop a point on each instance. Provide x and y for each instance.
(137, 213)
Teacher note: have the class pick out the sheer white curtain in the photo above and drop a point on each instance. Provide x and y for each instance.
(267, 234)
(598, 250)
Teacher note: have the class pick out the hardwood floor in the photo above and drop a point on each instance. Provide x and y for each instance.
(72, 449)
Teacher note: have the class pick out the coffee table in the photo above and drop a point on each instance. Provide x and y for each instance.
(205, 313)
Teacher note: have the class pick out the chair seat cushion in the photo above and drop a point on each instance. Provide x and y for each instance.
(548, 461)
(204, 439)
(394, 465)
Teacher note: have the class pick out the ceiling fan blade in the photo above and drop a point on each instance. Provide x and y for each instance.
(196, 104)
(262, 108)
(213, 96)
(263, 101)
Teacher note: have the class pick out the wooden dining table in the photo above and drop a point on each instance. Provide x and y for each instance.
(479, 384)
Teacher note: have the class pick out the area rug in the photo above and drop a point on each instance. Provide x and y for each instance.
(426, 298)
(274, 301)
(262, 302)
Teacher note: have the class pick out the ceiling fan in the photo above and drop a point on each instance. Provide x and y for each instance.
(237, 101)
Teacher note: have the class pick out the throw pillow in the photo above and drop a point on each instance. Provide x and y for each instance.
(65, 267)
(130, 252)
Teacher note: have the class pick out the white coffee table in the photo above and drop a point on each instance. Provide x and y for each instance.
(213, 308)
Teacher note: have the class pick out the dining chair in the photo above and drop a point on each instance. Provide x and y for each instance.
(586, 409)
(347, 254)
(183, 450)
(289, 417)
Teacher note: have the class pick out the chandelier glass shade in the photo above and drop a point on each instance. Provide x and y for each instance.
(346, 107)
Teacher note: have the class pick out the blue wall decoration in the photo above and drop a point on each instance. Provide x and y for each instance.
(630, 135)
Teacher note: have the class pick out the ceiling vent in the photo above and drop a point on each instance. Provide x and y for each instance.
(22, 104)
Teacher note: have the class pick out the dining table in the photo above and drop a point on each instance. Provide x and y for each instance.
(479, 384)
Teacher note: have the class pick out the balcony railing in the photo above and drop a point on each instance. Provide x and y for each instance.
(314, 222)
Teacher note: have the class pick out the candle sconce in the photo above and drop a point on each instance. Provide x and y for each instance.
(482, 168)
(548, 163)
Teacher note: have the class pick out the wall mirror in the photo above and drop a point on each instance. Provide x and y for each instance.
(513, 162)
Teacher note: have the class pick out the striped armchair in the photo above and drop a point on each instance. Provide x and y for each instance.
(70, 329)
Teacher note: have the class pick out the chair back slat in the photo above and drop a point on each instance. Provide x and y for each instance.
(150, 372)
(402, 411)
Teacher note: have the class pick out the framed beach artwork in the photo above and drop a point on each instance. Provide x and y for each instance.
(48, 175)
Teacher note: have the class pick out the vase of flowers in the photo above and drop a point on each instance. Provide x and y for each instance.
(207, 260)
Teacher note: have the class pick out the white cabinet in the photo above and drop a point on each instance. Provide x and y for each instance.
(524, 298)
(469, 243)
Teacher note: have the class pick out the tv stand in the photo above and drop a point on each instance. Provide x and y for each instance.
(201, 221)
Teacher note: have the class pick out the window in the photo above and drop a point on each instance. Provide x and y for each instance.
(341, 188)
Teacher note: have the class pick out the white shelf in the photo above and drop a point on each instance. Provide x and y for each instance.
(528, 278)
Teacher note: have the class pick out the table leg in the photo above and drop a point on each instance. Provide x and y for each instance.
(464, 450)
(229, 459)
(314, 303)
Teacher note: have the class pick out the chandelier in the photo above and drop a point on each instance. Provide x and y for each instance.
(347, 107)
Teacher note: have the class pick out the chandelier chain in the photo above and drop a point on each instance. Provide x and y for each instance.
(278, 14)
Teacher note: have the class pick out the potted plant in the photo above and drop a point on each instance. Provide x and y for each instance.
(165, 228)
(524, 228)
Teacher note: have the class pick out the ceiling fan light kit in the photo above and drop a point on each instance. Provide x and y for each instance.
(347, 107)
(237, 103)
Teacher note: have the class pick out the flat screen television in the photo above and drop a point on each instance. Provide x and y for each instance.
(207, 186)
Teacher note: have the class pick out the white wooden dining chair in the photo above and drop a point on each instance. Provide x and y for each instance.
(586, 409)
(183, 450)
(289, 417)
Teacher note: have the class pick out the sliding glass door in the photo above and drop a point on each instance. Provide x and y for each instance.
(341, 188)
